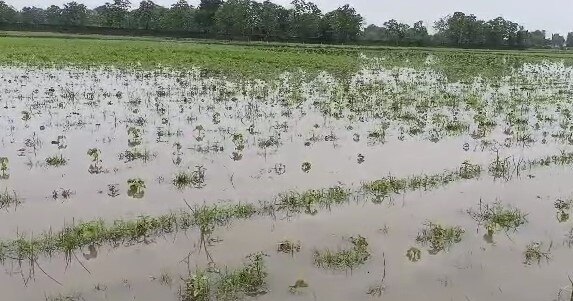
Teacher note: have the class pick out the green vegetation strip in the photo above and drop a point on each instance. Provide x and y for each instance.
(258, 60)
(207, 217)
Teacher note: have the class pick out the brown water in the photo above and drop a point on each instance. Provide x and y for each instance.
(313, 122)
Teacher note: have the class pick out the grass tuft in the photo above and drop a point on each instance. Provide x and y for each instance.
(347, 259)
(439, 237)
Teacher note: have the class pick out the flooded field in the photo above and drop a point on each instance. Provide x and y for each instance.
(398, 183)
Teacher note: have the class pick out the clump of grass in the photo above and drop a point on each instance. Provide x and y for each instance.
(195, 178)
(71, 297)
(439, 237)
(347, 259)
(500, 168)
(534, 253)
(8, 199)
(288, 247)
(469, 171)
(136, 154)
(310, 201)
(414, 254)
(208, 217)
(249, 280)
(392, 185)
(56, 161)
(497, 217)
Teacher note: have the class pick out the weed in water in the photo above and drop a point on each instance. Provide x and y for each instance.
(534, 253)
(4, 168)
(249, 280)
(288, 247)
(8, 199)
(136, 188)
(439, 237)
(496, 217)
(414, 254)
(195, 178)
(298, 286)
(347, 259)
(56, 161)
(310, 201)
(71, 297)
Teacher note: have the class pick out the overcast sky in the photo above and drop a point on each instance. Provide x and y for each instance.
(552, 15)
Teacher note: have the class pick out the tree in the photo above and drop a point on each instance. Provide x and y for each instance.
(273, 20)
(74, 13)
(33, 15)
(54, 15)
(343, 24)
(206, 13)
(149, 15)
(234, 17)
(418, 34)
(7, 13)
(569, 42)
(557, 40)
(461, 30)
(114, 14)
(181, 16)
(395, 32)
(305, 19)
(537, 39)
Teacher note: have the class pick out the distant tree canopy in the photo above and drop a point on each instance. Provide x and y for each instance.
(302, 20)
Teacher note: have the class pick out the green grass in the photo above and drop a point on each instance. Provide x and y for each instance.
(207, 218)
(496, 217)
(347, 259)
(228, 285)
(257, 59)
(534, 253)
(56, 161)
(439, 237)
(9, 199)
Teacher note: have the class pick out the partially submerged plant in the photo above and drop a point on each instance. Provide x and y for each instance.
(439, 237)
(288, 247)
(195, 178)
(4, 168)
(534, 253)
(347, 259)
(8, 199)
(95, 167)
(414, 254)
(56, 161)
(136, 188)
(562, 210)
(298, 286)
(134, 136)
(496, 217)
(229, 285)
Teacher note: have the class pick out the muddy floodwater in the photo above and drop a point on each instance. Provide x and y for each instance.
(80, 145)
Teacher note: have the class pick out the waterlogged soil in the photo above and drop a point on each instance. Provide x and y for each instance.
(246, 142)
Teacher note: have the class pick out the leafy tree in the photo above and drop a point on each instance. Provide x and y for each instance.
(114, 14)
(557, 40)
(273, 20)
(145, 13)
(7, 13)
(395, 32)
(54, 15)
(33, 15)
(181, 16)
(234, 17)
(305, 19)
(343, 24)
(537, 39)
(206, 13)
(569, 42)
(418, 34)
(74, 13)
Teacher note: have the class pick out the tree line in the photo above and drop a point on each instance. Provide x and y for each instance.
(303, 21)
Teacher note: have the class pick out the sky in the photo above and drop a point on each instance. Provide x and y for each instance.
(555, 16)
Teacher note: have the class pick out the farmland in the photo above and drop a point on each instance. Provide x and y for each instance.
(173, 170)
